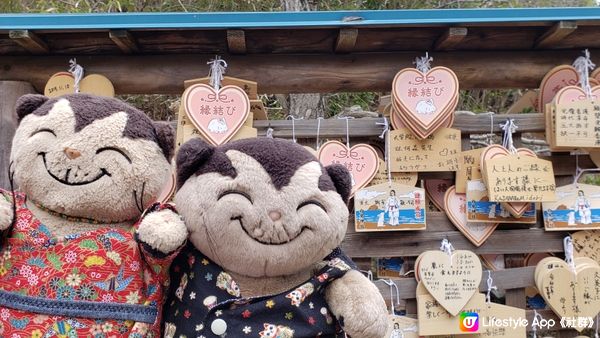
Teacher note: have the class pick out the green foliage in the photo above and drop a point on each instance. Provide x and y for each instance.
(335, 103)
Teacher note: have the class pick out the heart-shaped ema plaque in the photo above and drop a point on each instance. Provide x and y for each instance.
(451, 279)
(556, 79)
(456, 209)
(361, 160)
(495, 151)
(425, 99)
(571, 293)
(435, 189)
(572, 94)
(218, 115)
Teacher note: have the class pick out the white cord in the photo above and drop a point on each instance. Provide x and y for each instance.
(490, 287)
(423, 63)
(293, 118)
(583, 65)
(386, 136)
(77, 71)
(447, 248)
(568, 245)
(216, 71)
(318, 145)
(393, 287)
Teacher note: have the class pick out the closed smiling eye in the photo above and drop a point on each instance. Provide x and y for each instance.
(313, 202)
(114, 149)
(43, 130)
(235, 192)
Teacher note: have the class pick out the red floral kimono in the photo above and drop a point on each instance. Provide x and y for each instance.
(100, 284)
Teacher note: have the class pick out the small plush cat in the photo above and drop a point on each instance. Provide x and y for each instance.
(276, 331)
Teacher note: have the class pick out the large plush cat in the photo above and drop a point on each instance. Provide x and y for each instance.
(266, 216)
(76, 260)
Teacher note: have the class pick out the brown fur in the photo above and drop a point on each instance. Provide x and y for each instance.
(280, 159)
(89, 108)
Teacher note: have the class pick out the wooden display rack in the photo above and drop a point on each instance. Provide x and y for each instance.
(322, 52)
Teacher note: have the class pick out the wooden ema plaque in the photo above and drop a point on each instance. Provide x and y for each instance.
(438, 152)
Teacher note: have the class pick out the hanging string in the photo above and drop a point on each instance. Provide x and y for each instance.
(568, 245)
(490, 287)
(509, 127)
(393, 287)
(77, 71)
(347, 129)
(386, 156)
(447, 248)
(583, 65)
(318, 145)
(270, 132)
(293, 118)
(596, 334)
(216, 71)
(423, 63)
(490, 136)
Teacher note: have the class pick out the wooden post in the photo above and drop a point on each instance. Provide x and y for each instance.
(10, 91)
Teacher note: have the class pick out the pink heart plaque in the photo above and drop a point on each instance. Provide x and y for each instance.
(216, 115)
(361, 160)
(427, 98)
(436, 189)
(556, 79)
(456, 209)
(575, 93)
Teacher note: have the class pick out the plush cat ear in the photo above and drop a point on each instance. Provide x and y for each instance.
(28, 103)
(341, 179)
(166, 138)
(190, 157)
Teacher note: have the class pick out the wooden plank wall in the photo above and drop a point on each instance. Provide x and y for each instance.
(508, 239)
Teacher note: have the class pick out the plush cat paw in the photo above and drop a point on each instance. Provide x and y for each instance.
(358, 305)
(6, 214)
(162, 230)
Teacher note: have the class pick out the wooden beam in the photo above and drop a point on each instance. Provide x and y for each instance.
(398, 244)
(236, 41)
(29, 40)
(346, 40)
(503, 279)
(10, 91)
(124, 40)
(559, 31)
(290, 73)
(451, 37)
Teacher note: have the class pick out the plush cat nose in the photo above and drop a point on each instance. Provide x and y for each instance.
(275, 215)
(72, 153)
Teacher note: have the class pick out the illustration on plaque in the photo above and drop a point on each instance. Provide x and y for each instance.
(383, 207)
(577, 207)
(481, 209)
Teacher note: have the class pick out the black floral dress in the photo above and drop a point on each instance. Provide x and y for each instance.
(204, 301)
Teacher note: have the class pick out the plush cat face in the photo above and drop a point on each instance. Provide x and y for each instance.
(89, 156)
(261, 207)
